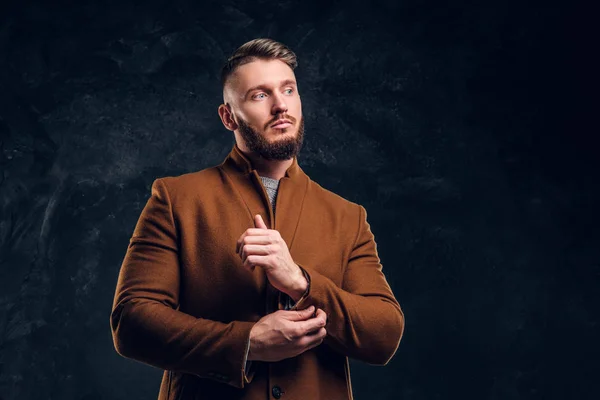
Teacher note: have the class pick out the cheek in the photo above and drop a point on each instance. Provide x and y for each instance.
(252, 122)
(258, 116)
(296, 107)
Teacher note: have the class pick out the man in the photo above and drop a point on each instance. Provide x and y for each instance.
(248, 280)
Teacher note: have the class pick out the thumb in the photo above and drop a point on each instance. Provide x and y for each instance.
(303, 314)
(259, 223)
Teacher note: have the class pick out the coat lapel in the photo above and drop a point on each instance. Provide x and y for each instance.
(290, 200)
(290, 194)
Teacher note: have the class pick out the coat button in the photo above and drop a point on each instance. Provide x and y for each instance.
(277, 392)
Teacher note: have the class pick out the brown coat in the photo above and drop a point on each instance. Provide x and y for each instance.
(184, 303)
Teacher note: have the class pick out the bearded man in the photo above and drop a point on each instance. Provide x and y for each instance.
(248, 280)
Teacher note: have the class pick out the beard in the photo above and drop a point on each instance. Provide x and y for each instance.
(280, 149)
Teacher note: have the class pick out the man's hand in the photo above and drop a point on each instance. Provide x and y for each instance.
(285, 334)
(265, 248)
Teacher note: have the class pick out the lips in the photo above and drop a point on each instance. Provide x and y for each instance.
(281, 123)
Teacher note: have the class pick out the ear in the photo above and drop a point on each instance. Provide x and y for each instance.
(227, 117)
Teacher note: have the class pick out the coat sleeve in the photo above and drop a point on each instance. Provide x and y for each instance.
(364, 320)
(145, 321)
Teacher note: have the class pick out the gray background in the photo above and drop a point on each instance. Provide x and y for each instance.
(456, 124)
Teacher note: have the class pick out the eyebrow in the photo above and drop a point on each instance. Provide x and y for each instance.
(264, 87)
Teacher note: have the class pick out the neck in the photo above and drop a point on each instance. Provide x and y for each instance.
(274, 169)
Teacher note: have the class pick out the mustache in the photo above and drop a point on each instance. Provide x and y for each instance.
(292, 119)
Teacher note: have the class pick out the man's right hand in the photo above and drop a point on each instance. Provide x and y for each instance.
(285, 334)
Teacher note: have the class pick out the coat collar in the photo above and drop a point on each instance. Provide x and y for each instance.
(290, 194)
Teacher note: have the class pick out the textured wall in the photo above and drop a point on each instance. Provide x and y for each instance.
(448, 121)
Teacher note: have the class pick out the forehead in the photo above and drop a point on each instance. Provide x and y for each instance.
(260, 72)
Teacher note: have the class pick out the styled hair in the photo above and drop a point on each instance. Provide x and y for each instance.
(262, 48)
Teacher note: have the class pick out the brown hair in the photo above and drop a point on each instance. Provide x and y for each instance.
(266, 49)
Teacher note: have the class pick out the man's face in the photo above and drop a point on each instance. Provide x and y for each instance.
(259, 94)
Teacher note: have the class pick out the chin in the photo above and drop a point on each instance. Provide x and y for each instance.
(285, 132)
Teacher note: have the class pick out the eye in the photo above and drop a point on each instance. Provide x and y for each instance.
(259, 94)
(289, 90)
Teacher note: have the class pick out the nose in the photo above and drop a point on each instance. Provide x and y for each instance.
(279, 104)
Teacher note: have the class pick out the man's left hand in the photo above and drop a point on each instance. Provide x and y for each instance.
(265, 248)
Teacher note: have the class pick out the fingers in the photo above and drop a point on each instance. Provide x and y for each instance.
(255, 250)
(259, 245)
(259, 223)
(308, 321)
(254, 246)
(313, 340)
(296, 331)
(299, 315)
(255, 261)
(247, 233)
(262, 239)
(251, 233)
(314, 324)
(261, 230)
(321, 312)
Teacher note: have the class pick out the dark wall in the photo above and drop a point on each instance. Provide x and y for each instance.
(456, 124)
